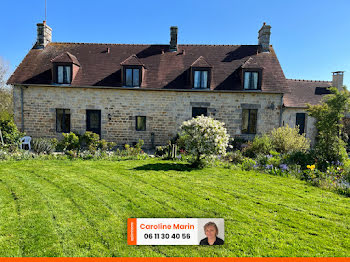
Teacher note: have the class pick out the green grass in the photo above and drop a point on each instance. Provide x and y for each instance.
(80, 208)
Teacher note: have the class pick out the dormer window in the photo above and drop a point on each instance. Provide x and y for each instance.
(64, 74)
(132, 76)
(132, 70)
(65, 68)
(200, 79)
(252, 80)
(200, 70)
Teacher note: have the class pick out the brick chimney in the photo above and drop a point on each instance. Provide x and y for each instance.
(337, 80)
(44, 35)
(173, 39)
(264, 38)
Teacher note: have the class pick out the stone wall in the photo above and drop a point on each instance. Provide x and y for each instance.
(289, 117)
(164, 110)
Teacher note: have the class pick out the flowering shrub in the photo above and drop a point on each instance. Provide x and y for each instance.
(204, 136)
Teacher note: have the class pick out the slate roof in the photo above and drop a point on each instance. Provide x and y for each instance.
(304, 92)
(100, 65)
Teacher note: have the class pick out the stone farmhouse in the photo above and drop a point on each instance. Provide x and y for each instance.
(127, 92)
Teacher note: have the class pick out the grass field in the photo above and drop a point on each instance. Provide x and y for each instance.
(80, 208)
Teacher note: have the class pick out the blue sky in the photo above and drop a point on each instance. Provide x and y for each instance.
(311, 38)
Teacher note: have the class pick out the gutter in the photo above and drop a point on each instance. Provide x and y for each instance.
(281, 110)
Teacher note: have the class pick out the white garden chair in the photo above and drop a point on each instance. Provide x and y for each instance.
(25, 141)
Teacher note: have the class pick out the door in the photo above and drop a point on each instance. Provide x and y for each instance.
(93, 121)
(300, 121)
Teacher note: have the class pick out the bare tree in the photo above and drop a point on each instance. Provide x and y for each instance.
(6, 97)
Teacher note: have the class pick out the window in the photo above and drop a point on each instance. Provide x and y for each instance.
(198, 111)
(249, 121)
(300, 121)
(132, 77)
(140, 123)
(200, 79)
(63, 120)
(64, 75)
(251, 80)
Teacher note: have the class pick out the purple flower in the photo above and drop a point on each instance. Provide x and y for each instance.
(283, 167)
(269, 156)
(269, 166)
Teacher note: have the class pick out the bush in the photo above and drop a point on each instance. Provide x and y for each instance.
(286, 139)
(10, 133)
(203, 136)
(134, 151)
(89, 141)
(44, 145)
(92, 142)
(70, 142)
(260, 145)
(235, 157)
(73, 143)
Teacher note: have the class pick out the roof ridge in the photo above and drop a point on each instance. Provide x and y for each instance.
(86, 43)
(304, 80)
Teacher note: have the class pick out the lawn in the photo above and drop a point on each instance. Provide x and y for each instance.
(80, 208)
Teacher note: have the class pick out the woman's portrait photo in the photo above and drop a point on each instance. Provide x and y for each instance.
(211, 231)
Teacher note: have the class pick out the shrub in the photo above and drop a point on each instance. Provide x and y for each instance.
(44, 145)
(10, 133)
(134, 151)
(70, 142)
(235, 157)
(204, 136)
(286, 139)
(89, 141)
(92, 142)
(260, 145)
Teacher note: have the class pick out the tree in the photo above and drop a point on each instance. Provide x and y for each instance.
(6, 98)
(329, 145)
(204, 136)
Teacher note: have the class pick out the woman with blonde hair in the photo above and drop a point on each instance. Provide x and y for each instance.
(211, 231)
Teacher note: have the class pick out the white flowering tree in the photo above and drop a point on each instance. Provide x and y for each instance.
(204, 136)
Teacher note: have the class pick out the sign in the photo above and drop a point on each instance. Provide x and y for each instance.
(175, 231)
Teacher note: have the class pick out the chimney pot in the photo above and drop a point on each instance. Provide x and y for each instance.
(264, 38)
(44, 35)
(173, 39)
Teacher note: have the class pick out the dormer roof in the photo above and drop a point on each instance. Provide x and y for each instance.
(200, 62)
(132, 61)
(66, 57)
